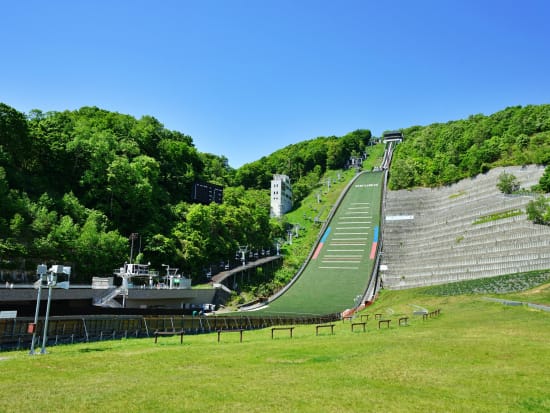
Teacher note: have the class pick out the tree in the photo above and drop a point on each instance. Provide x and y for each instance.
(544, 181)
(538, 211)
(403, 173)
(15, 145)
(507, 183)
(336, 156)
(98, 250)
(513, 136)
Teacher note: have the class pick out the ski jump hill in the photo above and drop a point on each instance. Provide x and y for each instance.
(340, 268)
(469, 230)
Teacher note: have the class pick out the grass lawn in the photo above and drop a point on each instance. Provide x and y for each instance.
(477, 356)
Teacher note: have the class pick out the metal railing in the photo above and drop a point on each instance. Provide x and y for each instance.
(15, 335)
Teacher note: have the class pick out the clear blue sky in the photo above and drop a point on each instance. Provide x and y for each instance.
(247, 77)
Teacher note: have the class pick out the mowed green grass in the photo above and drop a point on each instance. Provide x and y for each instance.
(477, 356)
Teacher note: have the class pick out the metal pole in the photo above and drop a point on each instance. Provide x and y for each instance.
(45, 337)
(36, 316)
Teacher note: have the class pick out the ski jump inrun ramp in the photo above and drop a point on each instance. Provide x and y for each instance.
(341, 264)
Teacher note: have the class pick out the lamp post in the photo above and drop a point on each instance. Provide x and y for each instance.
(52, 280)
(50, 276)
(40, 271)
(133, 236)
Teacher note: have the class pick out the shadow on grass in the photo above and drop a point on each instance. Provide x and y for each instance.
(90, 350)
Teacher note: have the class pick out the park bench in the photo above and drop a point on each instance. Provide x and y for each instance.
(290, 329)
(363, 323)
(403, 321)
(434, 313)
(364, 315)
(317, 327)
(384, 321)
(236, 330)
(378, 316)
(168, 333)
(347, 317)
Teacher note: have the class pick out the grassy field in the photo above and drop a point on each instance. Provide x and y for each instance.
(477, 356)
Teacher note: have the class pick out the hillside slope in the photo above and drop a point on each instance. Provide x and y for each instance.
(433, 236)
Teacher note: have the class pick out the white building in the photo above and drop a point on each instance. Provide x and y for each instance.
(281, 195)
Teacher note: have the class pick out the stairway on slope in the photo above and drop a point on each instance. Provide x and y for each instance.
(442, 243)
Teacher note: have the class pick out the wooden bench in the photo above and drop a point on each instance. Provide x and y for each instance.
(290, 329)
(364, 315)
(384, 321)
(378, 316)
(237, 330)
(364, 324)
(317, 327)
(434, 313)
(348, 317)
(165, 333)
(403, 321)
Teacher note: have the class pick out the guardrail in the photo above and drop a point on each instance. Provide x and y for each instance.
(15, 333)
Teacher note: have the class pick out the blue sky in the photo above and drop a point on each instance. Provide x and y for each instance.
(247, 77)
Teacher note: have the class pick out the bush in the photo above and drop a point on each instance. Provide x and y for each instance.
(507, 183)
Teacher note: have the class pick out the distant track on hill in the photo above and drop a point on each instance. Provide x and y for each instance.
(339, 268)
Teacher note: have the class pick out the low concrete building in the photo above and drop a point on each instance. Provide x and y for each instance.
(281, 195)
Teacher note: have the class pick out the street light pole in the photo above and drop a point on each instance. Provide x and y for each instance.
(133, 236)
(51, 277)
(51, 283)
(41, 271)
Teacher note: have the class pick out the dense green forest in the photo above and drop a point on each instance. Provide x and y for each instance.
(444, 153)
(76, 185)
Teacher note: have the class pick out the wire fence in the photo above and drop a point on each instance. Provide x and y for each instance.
(17, 333)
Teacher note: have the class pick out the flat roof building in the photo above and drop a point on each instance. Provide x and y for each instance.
(281, 195)
(392, 136)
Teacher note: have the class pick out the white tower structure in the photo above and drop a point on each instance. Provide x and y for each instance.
(281, 195)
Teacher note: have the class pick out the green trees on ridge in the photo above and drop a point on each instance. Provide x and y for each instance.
(441, 154)
(74, 185)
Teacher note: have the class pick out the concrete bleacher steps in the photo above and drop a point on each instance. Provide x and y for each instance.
(442, 244)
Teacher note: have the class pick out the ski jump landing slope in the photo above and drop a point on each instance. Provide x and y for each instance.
(341, 264)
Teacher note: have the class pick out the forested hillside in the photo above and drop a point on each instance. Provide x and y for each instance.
(75, 186)
(444, 153)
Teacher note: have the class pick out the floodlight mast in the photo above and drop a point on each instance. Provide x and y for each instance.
(50, 276)
(52, 280)
(40, 271)
(133, 236)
